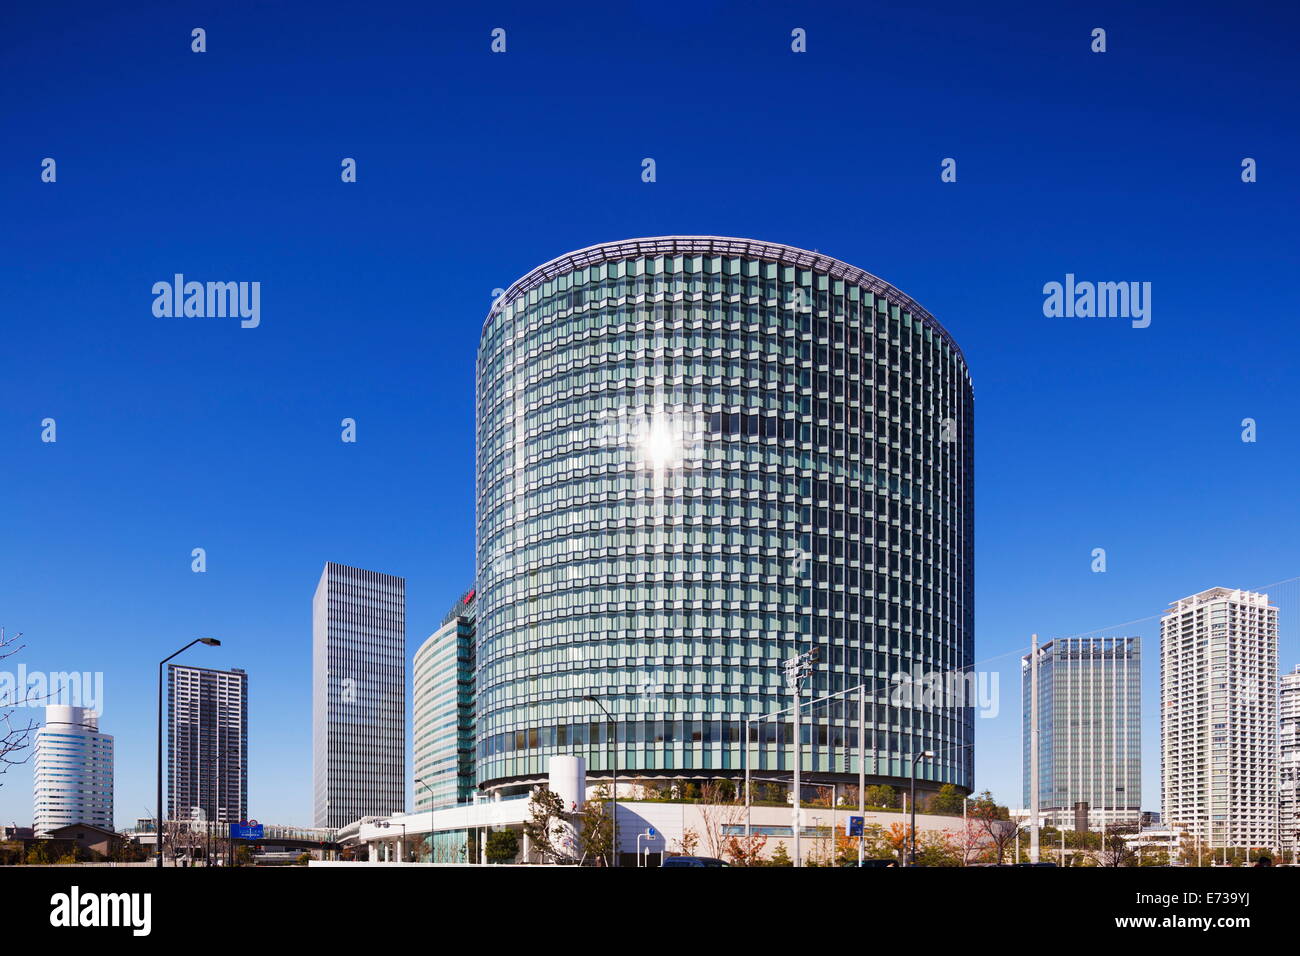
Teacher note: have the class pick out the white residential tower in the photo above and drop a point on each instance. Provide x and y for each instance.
(1219, 718)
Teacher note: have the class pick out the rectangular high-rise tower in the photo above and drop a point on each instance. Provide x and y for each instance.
(358, 695)
(1218, 718)
(1089, 731)
(207, 744)
(1288, 758)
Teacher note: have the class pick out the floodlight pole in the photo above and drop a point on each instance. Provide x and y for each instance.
(1033, 751)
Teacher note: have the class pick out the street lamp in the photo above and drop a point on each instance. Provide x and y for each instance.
(211, 642)
(798, 669)
(420, 781)
(915, 758)
(613, 769)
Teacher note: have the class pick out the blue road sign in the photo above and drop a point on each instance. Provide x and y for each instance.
(247, 831)
(855, 826)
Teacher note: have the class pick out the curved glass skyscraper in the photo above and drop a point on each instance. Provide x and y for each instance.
(697, 458)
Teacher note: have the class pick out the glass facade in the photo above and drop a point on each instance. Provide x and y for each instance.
(443, 705)
(1089, 730)
(696, 458)
(358, 695)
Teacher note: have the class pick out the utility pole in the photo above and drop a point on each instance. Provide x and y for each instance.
(1033, 751)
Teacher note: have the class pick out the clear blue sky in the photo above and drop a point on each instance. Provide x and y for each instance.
(474, 167)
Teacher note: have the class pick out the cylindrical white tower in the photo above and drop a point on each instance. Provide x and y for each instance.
(568, 778)
(74, 771)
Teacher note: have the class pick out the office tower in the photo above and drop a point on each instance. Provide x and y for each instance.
(358, 695)
(1288, 760)
(698, 457)
(1218, 718)
(1089, 731)
(73, 771)
(207, 744)
(442, 750)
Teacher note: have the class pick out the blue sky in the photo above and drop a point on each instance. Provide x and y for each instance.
(473, 167)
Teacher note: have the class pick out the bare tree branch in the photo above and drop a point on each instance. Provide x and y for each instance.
(15, 738)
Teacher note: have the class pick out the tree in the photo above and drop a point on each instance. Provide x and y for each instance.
(719, 817)
(938, 848)
(14, 737)
(846, 848)
(1153, 856)
(781, 856)
(745, 850)
(880, 795)
(948, 800)
(547, 826)
(772, 793)
(653, 790)
(417, 846)
(689, 842)
(994, 822)
(502, 846)
(972, 841)
(1114, 850)
(898, 839)
(40, 852)
(1190, 851)
(596, 823)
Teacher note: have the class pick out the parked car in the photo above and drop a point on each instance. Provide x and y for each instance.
(885, 861)
(693, 861)
(1039, 863)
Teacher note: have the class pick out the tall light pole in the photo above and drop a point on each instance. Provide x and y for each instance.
(797, 669)
(915, 758)
(1033, 751)
(613, 769)
(862, 768)
(158, 829)
(420, 781)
